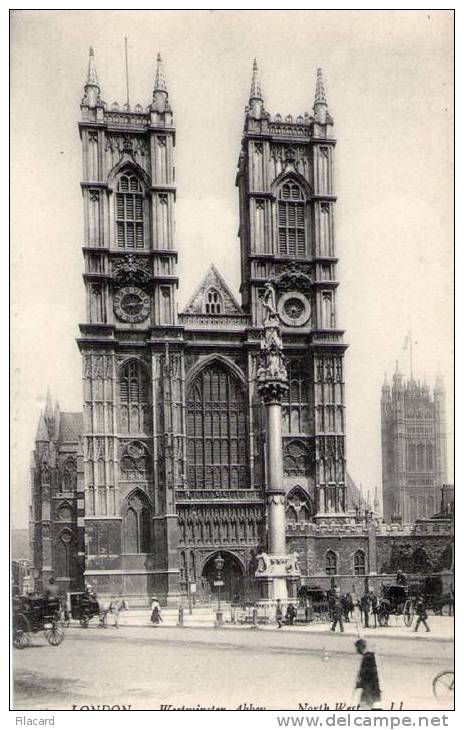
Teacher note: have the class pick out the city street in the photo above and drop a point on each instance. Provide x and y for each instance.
(147, 667)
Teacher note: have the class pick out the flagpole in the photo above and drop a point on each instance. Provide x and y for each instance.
(127, 71)
(410, 352)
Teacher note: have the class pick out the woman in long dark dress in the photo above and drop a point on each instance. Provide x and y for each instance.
(368, 677)
(155, 612)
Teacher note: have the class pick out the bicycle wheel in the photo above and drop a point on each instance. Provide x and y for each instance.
(443, 686)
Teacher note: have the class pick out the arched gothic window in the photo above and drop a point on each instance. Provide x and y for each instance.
(217, 431)
(64, 554)
(296, 402)
(296, 459)
(69, 476)
(330, 563)
(359, 562)
(65, 512)
(136, 524)
(213, 302)
(134, 398)
(420, 560)
(298, 507)
(129, 213)
(291, 221)
(429, 457)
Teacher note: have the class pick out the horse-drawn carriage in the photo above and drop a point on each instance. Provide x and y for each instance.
(395, 600)
(32, 614)
(84, 606)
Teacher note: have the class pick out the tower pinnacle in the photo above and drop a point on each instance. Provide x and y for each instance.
(320, 99)
(92, 78)
(160, 103)
(255, 90)
(256, 103)
(92, 87)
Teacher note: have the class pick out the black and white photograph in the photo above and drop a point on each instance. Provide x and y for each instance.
(232, 360)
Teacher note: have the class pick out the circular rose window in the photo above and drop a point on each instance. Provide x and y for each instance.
(294, 309)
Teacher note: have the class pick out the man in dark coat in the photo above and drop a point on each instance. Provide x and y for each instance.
(368, 677)
(421, 614)
(373, 600)
(365, 605)
(337, 612)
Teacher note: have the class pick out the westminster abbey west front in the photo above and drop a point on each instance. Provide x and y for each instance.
(167, 468)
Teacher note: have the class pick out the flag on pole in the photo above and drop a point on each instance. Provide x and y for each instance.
(407, 341)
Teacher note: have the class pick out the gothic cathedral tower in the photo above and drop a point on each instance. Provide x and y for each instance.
(131, 423)
(286, 187)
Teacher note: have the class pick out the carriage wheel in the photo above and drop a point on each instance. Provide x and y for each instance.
(55, 635)
(443, 687)
(84, 622)
(21, 632)
(408, 613)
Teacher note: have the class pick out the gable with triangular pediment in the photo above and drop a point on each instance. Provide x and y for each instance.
(213, 296)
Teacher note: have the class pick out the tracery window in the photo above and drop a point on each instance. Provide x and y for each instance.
(69, 476)
(134, 398)
(296, 402)
(136, 524)
(217, 431)
(298, 507)
(64, 554)
(359, 562)
(129, 213)
(296, 459)
(291, 221)
(330, 563)
(213, 302)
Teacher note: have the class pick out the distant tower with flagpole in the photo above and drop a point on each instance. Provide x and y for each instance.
(414, 446)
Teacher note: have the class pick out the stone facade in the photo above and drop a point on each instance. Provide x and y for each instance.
(170, 455)
(414, 463)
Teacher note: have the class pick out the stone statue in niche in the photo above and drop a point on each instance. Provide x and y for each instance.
(272, 373)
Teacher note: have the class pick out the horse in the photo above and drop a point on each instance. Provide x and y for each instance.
(115, 606)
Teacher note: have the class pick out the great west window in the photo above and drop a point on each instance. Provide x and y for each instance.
(291, 221)
(216, 425)
(129, 213)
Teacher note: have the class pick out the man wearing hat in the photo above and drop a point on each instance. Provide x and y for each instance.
(368, 677)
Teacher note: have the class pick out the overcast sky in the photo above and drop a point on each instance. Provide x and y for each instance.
(389, 85)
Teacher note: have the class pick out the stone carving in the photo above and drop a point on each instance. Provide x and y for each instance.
(124, 143)
(293, 277)
(276, 566)
(272, 373)
(131, 269)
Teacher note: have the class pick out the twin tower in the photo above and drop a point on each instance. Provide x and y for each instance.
(174, 438)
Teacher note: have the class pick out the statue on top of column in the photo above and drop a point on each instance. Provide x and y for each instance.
(272, 373)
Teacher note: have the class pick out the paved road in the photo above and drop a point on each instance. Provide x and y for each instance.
(146, 667)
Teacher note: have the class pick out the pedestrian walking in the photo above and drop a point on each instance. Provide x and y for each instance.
(364, 607)
(374, 606)
(337, 612)
(155, 612)
(278, 614)
(368, 677)
(421, 614)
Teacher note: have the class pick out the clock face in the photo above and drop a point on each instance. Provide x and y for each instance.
(131, 304)
(294, 309)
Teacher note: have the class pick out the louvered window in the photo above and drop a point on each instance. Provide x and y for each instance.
(296, 401)
(291, 221)
(134, 399)
(217, 431)
(129, 213)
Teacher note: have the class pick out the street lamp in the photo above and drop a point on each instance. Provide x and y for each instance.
(219, 564)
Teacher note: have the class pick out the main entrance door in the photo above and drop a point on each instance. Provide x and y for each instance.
(231, 574)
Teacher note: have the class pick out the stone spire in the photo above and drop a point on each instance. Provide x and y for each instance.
(42, 430)
(160, 79)
(160, 103)
(256, 103)
(92, 87)
(320, 100)
(92, 78)
(255, 90)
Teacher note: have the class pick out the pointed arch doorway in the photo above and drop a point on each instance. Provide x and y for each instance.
(231, 574)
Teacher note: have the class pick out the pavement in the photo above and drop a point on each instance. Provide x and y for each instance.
(441, 627)
(268, 668)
